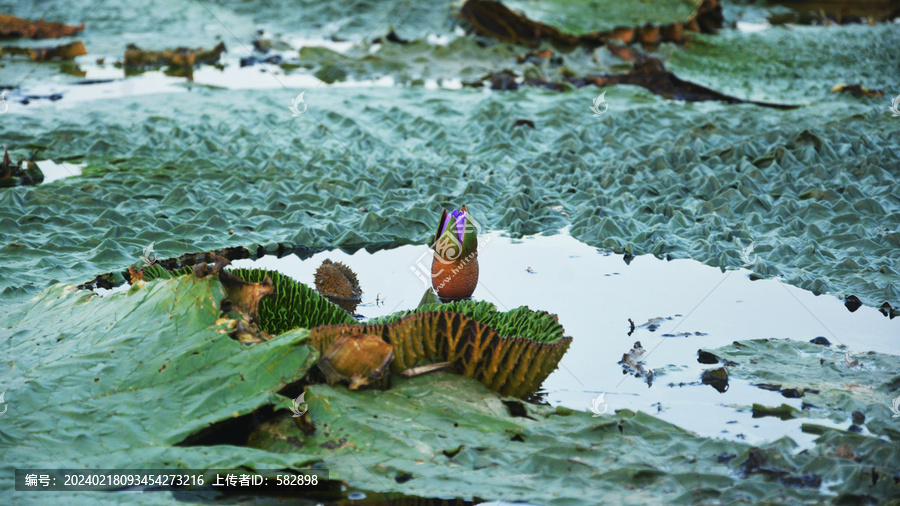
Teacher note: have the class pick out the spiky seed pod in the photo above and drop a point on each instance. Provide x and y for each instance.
(334, 279)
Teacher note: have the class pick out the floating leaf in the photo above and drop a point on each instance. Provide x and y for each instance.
(591, 22)
(120, 381)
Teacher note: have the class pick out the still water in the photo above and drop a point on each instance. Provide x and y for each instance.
(678, 307)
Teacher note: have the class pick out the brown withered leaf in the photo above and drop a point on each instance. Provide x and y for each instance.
(182, 57)
(12, 174)
(844, 451)
(135, 275)
(650, 73)
(632, 364)
(360, 359)
(245, 297)
(11, 26)
(60, 52)
(857, 90)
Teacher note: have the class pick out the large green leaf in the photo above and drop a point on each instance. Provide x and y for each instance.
(293, 305)
(446, 435)
(119, 381)
(794, 64)
(830, 384)
(580, 17)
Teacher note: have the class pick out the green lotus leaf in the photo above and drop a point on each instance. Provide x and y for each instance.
(120, 381)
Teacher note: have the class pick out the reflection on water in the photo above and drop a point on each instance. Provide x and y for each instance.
(53, 171)
(677, 307)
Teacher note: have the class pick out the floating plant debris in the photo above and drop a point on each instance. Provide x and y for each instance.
(632, 364)
(705, 357)
(651, 73)
(648, 72)
(61, 52)
(757, 462)
(180, 59)
(11, 26)
(857, 90)
(837, 11)
(716, 378)
(784, 412)
(13, 175)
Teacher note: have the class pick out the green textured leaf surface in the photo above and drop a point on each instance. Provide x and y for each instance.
(294, 305)
(794, 64)
(831, 386)
(119, 381)
(443, 434)
(580, 17)
(689, 194)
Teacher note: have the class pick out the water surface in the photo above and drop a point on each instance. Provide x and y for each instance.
(678, 307)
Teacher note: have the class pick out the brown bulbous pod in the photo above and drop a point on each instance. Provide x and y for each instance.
(454, 269)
